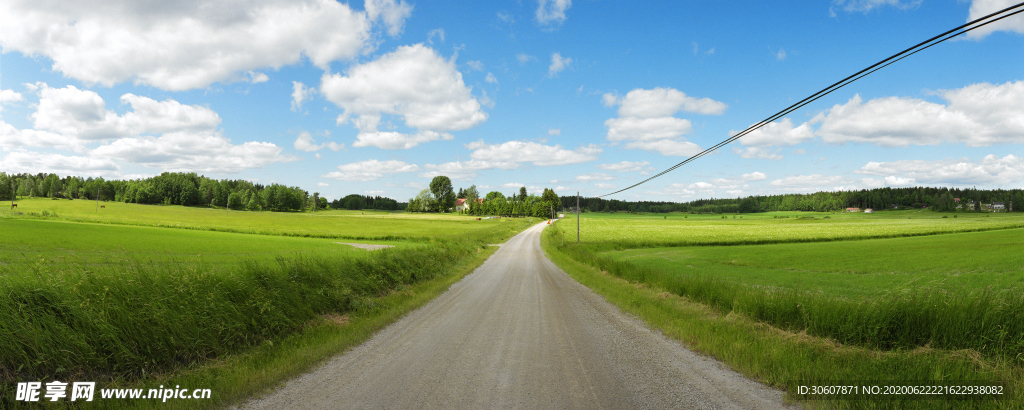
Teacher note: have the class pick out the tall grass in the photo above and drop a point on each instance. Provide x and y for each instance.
(126, 320)
(989, 321)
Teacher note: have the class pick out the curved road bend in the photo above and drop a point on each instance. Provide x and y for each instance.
(519, 333)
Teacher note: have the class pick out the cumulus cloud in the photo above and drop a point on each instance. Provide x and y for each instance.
(661, 102)
(605, 186)
(536, 153)
(754, 176)
(370, 170)
(305, 142)
(412, 82)
(646, 119)
(491, 78)
(187, 45)
(808, 182)
(511, 185)
(757, 152)
(990, 171)
(300, 93)
(624, 166)
(9, 96)
(776, 134)
(166, 135)
(596, 176)
(558, 64)
(982, 8)
(667, 147)
(33, 162)
(977, 115)
(552, 11)
(465, 169)
(475, 65)
(554, 131)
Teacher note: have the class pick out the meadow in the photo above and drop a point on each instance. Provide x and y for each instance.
(881, 286)
(141, 291)
(333, 224)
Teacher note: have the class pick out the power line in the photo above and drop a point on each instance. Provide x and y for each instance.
(844, 82)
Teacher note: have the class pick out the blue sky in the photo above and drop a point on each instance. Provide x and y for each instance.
(591, 96)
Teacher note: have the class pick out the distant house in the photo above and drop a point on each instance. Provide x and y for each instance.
(868, 210)
(462, 205)
(998, 206)
(895, 206)
(956, 199)
(852, 209)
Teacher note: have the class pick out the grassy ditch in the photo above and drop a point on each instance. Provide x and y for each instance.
(789, 338)
(126, 322)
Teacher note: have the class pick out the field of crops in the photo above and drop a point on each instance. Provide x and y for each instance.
(880, 281)
(633, 232)
(360, 225)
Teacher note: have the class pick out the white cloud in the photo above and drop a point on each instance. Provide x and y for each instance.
(554, 131)
(624, 166)
(990, 171)
(187, 45)
(754, 176)
(982, 8)
(808, 182)
(867, 5)
(662, 102)
(475, 65)
(12, 138)
(667, 147)
(9, 96)
(776, 134)
(596, 176)
(552, 11)
(439, 33)
(781, 55)
(504, 16)
(701, 185)
(397, 140)
(511, 185)
(370, 170)
(646, 129)
(464, 169)
(538, 154)
(645, 119)
(300, 93)
(558, 64)
(897, 181)
(524, 58)
(413, 82)
(305, 142)
(491, 78)
(757, 152)
(34, 162)
(605, 186)
(977, 115)
(256, 77)
(188, 152)
(392, 13)
(322, 184)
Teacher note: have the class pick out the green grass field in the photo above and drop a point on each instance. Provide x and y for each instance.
(360, 225)
(890, 285)
(134, 292)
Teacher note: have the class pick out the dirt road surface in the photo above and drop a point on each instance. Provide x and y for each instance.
(519, 333)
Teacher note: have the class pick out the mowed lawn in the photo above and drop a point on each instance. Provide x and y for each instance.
(854, 269)
(366, 225)
(57, 242)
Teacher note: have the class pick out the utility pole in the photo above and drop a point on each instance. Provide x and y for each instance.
(577, 216)
(97, 198)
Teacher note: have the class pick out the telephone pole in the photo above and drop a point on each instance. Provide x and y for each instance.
(577, 216)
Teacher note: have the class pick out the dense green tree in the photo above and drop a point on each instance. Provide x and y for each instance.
(441, 188)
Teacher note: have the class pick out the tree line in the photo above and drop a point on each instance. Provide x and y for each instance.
(176, 188)
(441, 197)
(936, 198)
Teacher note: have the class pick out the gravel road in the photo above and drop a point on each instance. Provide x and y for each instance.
(519, 333)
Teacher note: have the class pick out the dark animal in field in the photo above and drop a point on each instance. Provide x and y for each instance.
(14, 206)
(103, 206)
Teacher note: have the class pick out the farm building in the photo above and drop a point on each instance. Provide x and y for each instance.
(998, 207)
(868, 210)
(462, 205)
(852, 210)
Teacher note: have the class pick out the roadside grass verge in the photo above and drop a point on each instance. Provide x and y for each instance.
(780, 356)
(125, 323)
